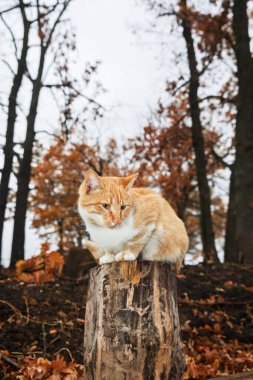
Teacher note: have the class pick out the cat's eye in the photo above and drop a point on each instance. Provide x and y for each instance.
(106, 206)
(123, 207)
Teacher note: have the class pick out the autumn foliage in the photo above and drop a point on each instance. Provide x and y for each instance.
(41, 316)
(164, 156)
(45, 267)
(43, 369)
(56, 178)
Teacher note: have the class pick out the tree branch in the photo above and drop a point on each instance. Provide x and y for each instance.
(69, 85)
(10, 9)
(221, 159)
(218, 97)
(48, 133)
(9, 66)
(9, 360)
(22, 9)
(172, 13)
(12, 35)
(41, 15)
(179, 87)
(3, 106)
(65, 5)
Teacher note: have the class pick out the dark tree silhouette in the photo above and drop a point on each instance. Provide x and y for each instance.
(207, 231)
(12, 112)
(243, 171)
(186, 17)
(24, 174)
(231, 248)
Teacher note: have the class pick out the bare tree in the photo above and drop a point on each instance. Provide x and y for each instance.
(231, 248)
(207, 231)
(12, 107)
(46, 34)
(184, 18)
(243, 170)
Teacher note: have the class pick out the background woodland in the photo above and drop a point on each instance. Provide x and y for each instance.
(196, 146)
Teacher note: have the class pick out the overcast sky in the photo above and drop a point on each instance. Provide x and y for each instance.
(132, 67)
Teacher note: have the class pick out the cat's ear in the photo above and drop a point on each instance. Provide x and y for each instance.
(128, 182)
(92, 181)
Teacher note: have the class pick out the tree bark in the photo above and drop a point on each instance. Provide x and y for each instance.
(24, 174)
(132, 329)
(244, 134)
(207, 232)
(12, 114)
(231, 241)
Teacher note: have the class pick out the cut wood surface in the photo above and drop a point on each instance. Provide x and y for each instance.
(131, 324)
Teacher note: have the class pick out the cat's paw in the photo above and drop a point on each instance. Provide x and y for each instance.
(125, 256)
(106, 259)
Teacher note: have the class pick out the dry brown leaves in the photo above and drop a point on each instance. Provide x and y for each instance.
(40, 269)
(43, 369)
(210, 354)
(206, 359)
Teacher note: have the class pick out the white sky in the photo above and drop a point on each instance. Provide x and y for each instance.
(131, 68)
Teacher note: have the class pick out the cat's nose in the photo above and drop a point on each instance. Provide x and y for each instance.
(116, 222)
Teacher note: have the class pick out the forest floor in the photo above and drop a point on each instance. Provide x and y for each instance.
(47, 322)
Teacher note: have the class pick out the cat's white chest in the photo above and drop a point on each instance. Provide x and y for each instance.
(111, 239)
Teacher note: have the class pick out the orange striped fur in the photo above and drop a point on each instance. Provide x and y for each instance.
(124, 222)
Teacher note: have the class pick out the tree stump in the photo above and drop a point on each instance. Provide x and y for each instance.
(132, 329)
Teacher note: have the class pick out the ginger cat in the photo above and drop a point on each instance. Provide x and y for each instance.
(124, 222)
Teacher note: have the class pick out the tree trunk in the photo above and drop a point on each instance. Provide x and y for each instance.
(8, 147)
(207, 232)
(24, 174)
(231, 241)
(60, 222)
(244, 134)
(132, 329)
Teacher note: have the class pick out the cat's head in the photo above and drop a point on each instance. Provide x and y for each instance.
(106, 201)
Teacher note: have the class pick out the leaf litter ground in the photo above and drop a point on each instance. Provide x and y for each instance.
(47, 322)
